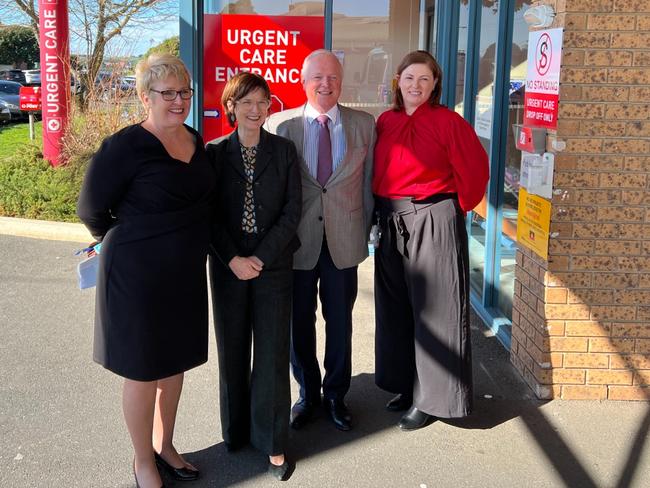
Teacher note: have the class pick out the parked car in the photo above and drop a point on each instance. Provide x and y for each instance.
(9, 93)
(13, 75)
(32, 76)
(5, 112)
(110, 84)
(127, 83)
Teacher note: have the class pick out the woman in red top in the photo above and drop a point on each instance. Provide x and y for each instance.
(430, 168)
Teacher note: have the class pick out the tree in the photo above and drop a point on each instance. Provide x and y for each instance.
(96, 22)
(170, 46)
(18, 45)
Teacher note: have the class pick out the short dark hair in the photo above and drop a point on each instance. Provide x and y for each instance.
(238, 87)
(419, 57)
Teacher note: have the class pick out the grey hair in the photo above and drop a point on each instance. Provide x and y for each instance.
(314, 54)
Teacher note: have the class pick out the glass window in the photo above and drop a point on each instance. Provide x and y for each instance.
(264, 7)
(463, 23)
(484, 100)
(513, 160)
(370, 37)
(431, 12)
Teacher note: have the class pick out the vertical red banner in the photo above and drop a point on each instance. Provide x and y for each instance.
(271, 46)
(55, 75)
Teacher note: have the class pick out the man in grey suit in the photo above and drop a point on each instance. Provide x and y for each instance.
(335, 145)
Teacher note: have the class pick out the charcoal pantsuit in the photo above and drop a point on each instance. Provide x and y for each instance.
(255, 401)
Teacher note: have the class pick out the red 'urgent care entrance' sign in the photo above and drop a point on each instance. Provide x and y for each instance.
(55, 75)
(271, 46)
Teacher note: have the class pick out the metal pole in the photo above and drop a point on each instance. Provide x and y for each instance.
(31, 126)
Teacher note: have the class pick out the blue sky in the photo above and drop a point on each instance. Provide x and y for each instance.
(136, 43)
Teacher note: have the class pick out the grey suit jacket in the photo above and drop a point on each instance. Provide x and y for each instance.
(343, 207)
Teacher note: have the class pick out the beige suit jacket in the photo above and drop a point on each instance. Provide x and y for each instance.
(343, 207)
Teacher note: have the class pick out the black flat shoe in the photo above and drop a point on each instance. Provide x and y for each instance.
(339, 414)
(281, 472)
(415, 419)
(180, 474)
(399, 403)
(302, 412)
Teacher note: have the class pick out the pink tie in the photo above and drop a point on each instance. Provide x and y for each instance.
(324, 170)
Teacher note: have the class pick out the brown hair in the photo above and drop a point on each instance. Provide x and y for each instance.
(238, 87)
(419, 57)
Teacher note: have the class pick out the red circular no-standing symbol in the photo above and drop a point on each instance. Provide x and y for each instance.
(543, 54)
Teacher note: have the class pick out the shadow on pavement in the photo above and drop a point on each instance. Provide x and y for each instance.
(509, 397)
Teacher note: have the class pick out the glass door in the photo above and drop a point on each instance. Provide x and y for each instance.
(370, 37)
(483, 121)
(487, 58)
(516, 87)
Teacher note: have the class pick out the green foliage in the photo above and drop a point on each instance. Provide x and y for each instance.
(14, 136)
(31, 188)
(18, 44)
(171, 46)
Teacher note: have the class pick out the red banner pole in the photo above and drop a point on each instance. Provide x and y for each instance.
(55, 75)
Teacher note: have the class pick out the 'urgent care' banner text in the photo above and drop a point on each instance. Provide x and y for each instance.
(55, 75)
(273, 47)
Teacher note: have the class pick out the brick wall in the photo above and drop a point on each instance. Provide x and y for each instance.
(581, 320)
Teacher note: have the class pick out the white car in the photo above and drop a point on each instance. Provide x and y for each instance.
(32, 76)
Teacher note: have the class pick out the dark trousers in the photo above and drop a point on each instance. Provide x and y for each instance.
(422, 340)
(337, 289)
(255, 402)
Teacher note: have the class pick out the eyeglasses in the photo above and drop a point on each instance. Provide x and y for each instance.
(170, 95)
(248, 104)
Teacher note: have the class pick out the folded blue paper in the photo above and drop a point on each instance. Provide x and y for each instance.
(87, 272)
(87, 269)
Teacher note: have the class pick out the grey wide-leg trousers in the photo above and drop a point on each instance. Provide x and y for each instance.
(422, 341)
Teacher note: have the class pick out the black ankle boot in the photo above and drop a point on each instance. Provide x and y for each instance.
(415, 419)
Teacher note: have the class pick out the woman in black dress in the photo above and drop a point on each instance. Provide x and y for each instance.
(147, 196)
(258, 209)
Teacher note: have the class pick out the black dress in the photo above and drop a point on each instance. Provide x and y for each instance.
(152, 214)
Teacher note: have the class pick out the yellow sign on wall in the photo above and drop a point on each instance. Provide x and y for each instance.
(533, 222)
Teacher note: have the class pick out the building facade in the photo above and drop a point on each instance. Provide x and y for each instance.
(576, 321)
(581, 319)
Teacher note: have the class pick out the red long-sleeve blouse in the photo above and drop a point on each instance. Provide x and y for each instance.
(432, 151)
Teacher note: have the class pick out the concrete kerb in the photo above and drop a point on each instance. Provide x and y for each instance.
(44, 229)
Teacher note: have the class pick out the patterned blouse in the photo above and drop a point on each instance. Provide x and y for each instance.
(248, 223)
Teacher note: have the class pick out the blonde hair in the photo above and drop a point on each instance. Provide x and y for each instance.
(157, 67)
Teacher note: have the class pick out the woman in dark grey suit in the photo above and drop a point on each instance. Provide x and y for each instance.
(257, 214)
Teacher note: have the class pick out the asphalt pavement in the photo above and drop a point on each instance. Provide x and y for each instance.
(61, 423)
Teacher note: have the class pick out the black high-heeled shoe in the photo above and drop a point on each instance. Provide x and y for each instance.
(180, 474)
(135, 475)
(280, 472)
(137, 485)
